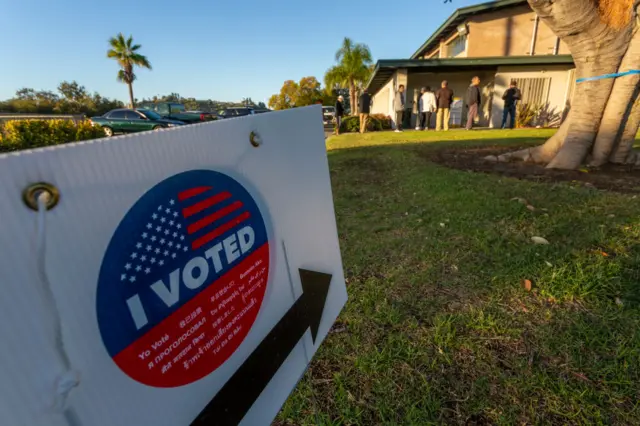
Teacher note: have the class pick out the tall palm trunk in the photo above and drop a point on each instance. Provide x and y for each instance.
(352, 98)
(602, 112)
(131, 102)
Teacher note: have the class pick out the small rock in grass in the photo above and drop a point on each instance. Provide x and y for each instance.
(520, 200)
(530, 207)
(491, 158)
(539, 240)
(442, 225)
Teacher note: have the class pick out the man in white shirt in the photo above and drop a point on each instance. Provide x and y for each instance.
(427, 105)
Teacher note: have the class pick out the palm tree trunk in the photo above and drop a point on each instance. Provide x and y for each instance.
(352, 98)
(131, 99)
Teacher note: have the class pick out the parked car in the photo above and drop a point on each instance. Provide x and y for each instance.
(177, 111)
(130, 120)
(239, 112)
(328, 114)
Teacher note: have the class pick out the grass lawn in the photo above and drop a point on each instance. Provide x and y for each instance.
(438, 327)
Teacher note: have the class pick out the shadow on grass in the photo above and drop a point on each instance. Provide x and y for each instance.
(438, 328)
(469, 154)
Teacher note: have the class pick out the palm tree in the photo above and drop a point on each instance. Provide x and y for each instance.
(353, 69)
(125, 53)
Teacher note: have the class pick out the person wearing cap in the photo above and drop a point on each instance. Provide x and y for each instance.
(427, 105)
(339, 113)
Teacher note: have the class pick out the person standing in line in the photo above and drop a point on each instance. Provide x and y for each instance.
(365, 109)
(444, 99)
(511, 96)
(427, 106)
(473, 101)
(419, 107)
(398, 106)
(339, 113)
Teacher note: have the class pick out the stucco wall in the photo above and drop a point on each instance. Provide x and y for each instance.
(546, 41)
(508, 33)
(558, 89)
(458, 82)
(381, 100)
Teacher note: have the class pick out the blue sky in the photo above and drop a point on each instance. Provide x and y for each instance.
(222, 50)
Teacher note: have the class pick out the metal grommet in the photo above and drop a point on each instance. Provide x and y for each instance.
(255, 140)
(32, 192)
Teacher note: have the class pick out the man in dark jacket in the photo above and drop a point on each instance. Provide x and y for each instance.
(365, 108)
(339, 113)
(444, 99)
(473, 101)
(511, 96)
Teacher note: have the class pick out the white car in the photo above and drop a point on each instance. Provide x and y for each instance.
(328, 114)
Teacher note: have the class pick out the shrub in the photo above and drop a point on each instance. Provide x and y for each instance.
(548, 116)
(375, 123)
(532, 115)
(385, 120)
(16, 135)
(85, 130)
(526, 114)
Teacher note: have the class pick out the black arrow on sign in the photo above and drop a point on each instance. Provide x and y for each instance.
(241, 391)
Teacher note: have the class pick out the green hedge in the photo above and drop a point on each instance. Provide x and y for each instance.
(375, 123)
(16, 135)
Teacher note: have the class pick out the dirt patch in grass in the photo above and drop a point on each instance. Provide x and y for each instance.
(610, 177)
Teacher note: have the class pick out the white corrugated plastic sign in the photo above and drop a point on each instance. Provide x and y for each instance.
(185, 276)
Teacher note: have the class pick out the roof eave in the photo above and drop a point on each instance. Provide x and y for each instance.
(385, 67)
(437, 33)
(373, 74)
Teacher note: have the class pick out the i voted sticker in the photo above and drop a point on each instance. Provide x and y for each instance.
(183, 278)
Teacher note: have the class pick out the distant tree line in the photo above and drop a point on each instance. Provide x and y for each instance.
(206, 105)
(71, 98)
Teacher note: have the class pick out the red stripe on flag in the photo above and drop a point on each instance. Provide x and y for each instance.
(196, 226)
(219, 231)
(192, 192)
(205, 204)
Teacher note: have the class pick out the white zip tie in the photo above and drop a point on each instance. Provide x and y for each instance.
(68, 378)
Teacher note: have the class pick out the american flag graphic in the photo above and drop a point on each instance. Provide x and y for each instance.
(186, 222)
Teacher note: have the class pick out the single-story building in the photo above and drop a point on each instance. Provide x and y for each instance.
(499, 42)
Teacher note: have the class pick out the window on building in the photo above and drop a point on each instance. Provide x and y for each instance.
(535, 91)
(457, 46)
